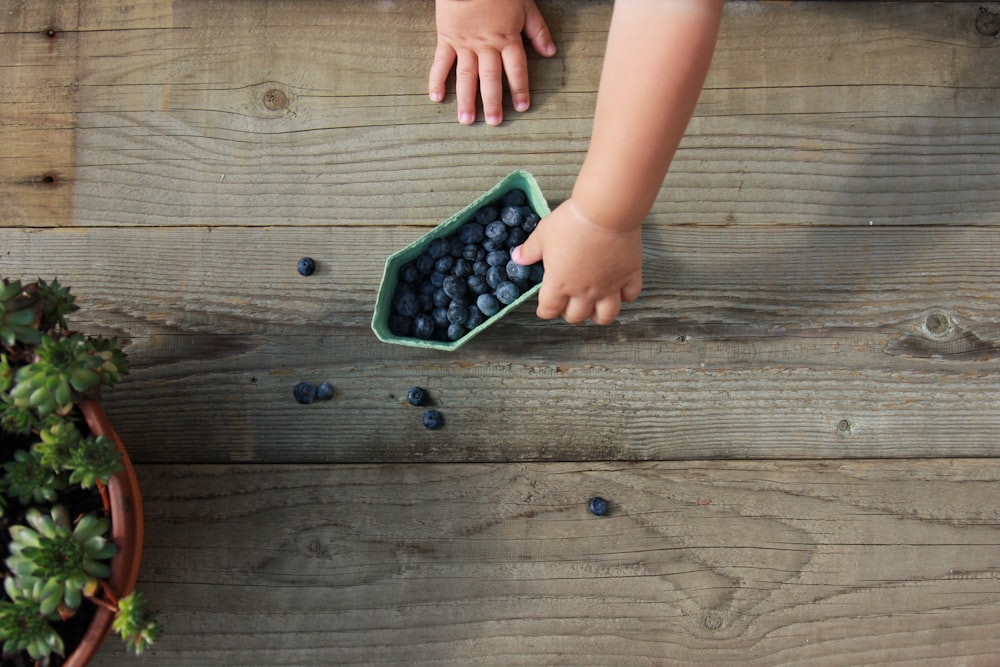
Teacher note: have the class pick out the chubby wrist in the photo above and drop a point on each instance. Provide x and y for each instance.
(607, 205)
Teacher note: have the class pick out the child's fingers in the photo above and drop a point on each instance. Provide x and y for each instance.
(444, 59)
(630, 292)
(466, 85)
(537, 31)
(578, 309)
(551, 303)
(515, 65)
(606, 310)
(491, 85)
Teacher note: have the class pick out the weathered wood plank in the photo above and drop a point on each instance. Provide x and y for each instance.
(707, 563)
(814, 113)
(747, 342)
(38, 100)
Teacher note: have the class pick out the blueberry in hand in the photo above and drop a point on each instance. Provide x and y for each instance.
(307, 266)
(304, 393)
(518, 272)
(417, 396)
(433, 419)
(598, 506)
(324, 391)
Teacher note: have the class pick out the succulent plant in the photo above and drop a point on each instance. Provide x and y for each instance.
(68, 560)
(53, 563)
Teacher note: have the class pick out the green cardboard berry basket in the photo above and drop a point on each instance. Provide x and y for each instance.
(390, 276)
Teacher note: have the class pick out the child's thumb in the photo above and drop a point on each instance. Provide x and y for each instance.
(528, 252)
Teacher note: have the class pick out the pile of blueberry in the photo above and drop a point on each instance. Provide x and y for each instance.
(462, 279)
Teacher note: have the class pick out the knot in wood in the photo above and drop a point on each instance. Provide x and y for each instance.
(938, 324)
(712, 620)
(987, 23)
(275, 99)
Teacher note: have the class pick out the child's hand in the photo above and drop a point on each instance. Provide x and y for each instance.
(484, 38)
(589, 270)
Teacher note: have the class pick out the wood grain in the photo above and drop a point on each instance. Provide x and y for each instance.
(250, 113)
(702, 563)
(746, 342)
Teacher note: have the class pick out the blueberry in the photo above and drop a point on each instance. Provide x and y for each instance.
(427, 287)
(515, 237)
(514, 198)
(409, 273)
(507, 292)
(444, 264)
(441, 298)
(455, 246)
(433, 419)
(425, 264)
(438, 248)
(537, 272)
(471, 233)
(530, 222)
(496, 231)
(304, 393)
(475, 318)
(477, 285)
(512, 216)
(598, 506)
(400, 325)
(489, 245)
(481, 267)
(497, 258)
(456, 331)
(474, 252)
(488, 305)
(426, 302)
(457, 313)
(454, 287)
(440, 316)
(307, 266)
(495, 276)
(462, 268)
(437, 278)
(486, 215)
(324, 391)
(406, 304)
(423, 326)
(518, 272)
(417, 396)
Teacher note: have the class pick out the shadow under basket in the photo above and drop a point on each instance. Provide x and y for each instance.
(516, 180)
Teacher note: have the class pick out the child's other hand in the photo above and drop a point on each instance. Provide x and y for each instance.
(484, 38)
(589, 270)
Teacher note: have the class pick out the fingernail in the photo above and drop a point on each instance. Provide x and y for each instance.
(550, 50)
(515, 254)
(521, 106)
(465, 118)
(493, 120)
(436, 96)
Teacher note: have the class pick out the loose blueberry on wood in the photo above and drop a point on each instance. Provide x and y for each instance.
(307, 266)
(324, 391)
(417, 396)
(433, 419)
(304, 393)
(598, 506)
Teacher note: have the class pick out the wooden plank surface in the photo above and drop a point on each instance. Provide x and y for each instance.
(747, 342)
(814, 113)
(699, 563)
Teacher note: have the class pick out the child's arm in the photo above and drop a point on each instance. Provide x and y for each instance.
(484, 38)
(657, 56)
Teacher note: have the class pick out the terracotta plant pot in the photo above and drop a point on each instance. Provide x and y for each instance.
(126, 532)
